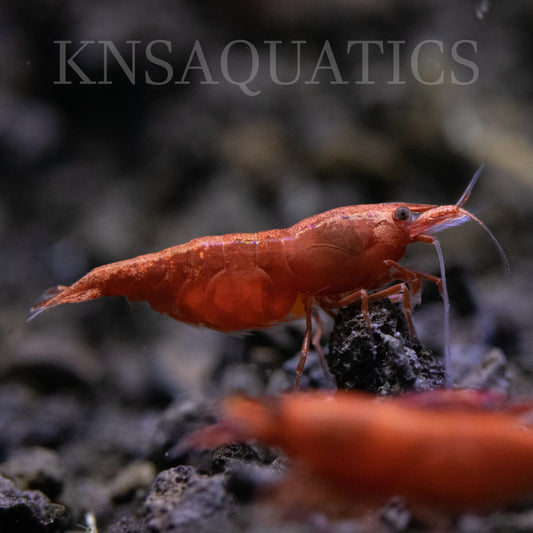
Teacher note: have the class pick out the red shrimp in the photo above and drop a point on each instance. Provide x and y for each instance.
(249, 281)
(455, 450)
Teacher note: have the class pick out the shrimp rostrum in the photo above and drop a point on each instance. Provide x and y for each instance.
(249, 281)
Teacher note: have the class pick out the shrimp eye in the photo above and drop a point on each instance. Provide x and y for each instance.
(402, 213)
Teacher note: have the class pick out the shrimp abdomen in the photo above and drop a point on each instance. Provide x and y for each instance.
(236, 282)
(229, 283)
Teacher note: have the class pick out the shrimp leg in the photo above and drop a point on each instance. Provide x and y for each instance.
(308, 306)
(410, 284)
(312, 337)
(315, 340)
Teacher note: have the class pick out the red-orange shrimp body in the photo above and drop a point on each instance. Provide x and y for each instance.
(245, 281)
(253, 280)
(447, 457)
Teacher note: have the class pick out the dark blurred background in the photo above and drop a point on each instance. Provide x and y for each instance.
(129, 126)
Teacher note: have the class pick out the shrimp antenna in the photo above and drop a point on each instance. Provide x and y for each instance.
(446, 301)
(503, 256)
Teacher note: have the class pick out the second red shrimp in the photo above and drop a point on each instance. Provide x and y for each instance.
(247, 281)
(453, 449)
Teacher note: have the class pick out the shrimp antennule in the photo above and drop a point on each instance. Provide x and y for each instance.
(466, 194)
(461, 202)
